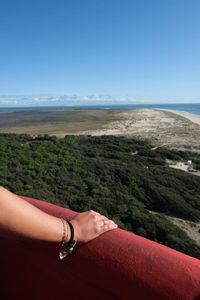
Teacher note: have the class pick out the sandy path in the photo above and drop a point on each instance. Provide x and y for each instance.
(192, 229)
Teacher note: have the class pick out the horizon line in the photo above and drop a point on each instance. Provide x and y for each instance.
(97, 105)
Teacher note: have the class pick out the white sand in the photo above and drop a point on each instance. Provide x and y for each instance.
(193, 118)
(159, 126)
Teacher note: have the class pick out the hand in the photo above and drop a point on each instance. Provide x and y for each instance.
(89, 225)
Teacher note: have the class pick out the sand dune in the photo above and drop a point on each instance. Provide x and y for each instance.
(177, 129)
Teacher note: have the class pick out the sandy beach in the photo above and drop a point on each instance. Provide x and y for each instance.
(193, 118)
(171, 128)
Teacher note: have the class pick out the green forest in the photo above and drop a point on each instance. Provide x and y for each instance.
(119, 177)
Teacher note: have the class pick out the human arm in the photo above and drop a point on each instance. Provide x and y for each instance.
(20, 218)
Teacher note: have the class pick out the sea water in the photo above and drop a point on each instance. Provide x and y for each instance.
(192, 108)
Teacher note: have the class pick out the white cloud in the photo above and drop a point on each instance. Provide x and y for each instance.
(67, 100)
(75, 100)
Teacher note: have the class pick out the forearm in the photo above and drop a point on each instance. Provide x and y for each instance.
(20, 218)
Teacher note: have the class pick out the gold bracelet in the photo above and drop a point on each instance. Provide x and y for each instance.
(65, 236)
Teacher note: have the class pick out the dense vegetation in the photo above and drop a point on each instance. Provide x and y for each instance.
(119, 177)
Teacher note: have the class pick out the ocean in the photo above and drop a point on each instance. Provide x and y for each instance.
(191, 108)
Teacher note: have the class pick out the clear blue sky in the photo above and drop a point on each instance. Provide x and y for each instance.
(149, 50)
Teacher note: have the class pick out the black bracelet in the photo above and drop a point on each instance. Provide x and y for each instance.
(71, 230)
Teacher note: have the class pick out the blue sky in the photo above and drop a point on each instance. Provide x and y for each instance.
(141, 50)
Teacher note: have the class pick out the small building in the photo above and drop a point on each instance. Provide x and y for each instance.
(189, 162)
(190, 165)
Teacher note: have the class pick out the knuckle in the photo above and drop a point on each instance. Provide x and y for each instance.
(97, 230)
(96, 218)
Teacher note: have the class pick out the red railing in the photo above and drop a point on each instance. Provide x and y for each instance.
(116, 265)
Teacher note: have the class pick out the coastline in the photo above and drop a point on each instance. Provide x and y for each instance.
(193, 118)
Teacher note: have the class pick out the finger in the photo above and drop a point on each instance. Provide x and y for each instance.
(103, 221)
(109, 225)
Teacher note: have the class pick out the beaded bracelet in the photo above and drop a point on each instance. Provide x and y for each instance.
(65, 236)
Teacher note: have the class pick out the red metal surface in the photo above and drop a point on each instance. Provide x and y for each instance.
(117, 265)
